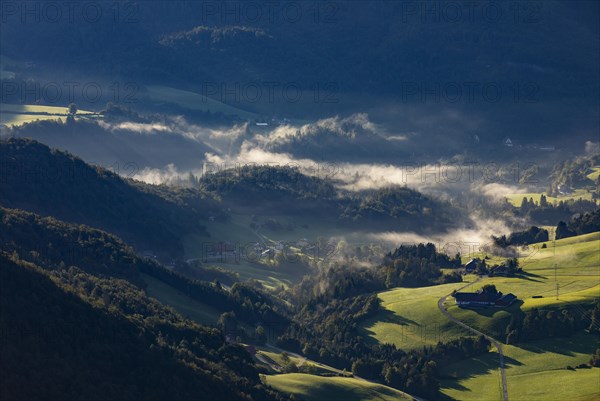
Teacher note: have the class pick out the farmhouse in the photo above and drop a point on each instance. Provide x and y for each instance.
(500, 270)
(471, 265)
(505, 300)
(486, 297)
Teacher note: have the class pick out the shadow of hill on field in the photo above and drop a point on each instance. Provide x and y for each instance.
(569, 346)
(389, 316)
(530, 277)
(385, 316)
(451, 382)
(451, 375)
(477, 366)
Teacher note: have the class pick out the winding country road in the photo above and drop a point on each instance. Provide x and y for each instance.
(496, 343)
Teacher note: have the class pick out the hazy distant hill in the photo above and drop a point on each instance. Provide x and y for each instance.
(542, 56)
(126, 147)
(367, 46)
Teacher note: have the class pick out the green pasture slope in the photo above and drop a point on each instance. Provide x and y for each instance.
(237, 231)
(17, 114)
(318, 388)
(410, 317)
(277, 357)
(594, 174)
(516, 199)
(536, 371)
(578, 193)
(574, 264)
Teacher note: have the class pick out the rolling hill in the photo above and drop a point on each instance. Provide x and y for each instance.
(317, 388)
(536, 370)
(411, 319)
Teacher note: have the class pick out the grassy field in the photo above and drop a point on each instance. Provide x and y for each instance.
(183, 304)
(17, 114)
(516, 199)
(317, 388)
(411, 318)
(594, 174)
(535, 371)
(197, 101)
(577, 273)
(240, 235)
(19, 119)
(579, 193)
(277, 357)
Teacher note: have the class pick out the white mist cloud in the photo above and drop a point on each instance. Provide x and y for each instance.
(498, 192)
(168, 175)
(140, 128)
(591, 148)
(348, 127)
(237, 145)
(430, 178)
(464, 240)
(397, 138)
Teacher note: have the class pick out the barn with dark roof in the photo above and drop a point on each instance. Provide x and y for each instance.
(484, 299)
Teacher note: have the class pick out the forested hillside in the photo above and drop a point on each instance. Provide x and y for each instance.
(58, 246)
(67, 334)
(276, 190)
(73, 300)
(49, 182)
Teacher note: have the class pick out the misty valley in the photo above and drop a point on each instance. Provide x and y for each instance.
(296, 200)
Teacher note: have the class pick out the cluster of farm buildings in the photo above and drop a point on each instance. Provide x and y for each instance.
(484, 299)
